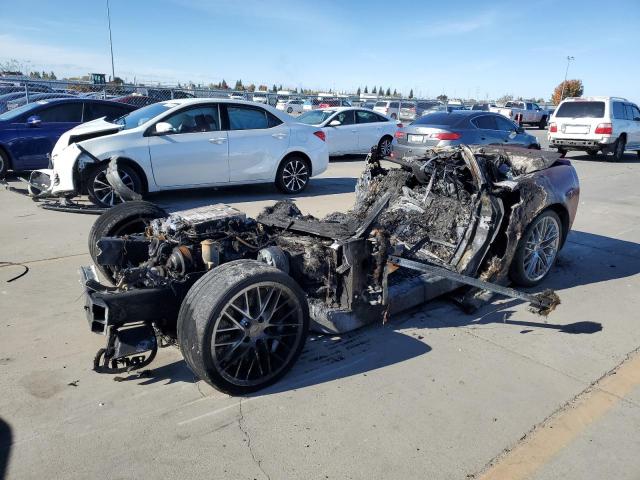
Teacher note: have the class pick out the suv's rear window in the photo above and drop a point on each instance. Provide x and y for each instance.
(440, 118)
(381, 104)
(581, 110)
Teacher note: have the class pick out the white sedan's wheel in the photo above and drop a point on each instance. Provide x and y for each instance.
(293, 175)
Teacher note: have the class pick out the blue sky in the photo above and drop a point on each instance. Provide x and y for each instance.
(461, 48)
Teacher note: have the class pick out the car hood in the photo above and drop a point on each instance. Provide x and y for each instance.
(85, 131)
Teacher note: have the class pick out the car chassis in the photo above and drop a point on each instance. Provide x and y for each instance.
(238, 294)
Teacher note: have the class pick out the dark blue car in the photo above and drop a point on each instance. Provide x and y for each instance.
(28, 133)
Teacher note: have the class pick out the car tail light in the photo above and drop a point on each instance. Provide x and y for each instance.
(399, 134)
(320, 134)
(446, 135)
(399, 125)
(553, 127)
(604, 129)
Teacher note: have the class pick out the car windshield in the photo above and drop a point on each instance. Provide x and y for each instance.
(143, 115)
(16, 112)
(315, 117)
(441, 119)
(381, 104)
(581, 110)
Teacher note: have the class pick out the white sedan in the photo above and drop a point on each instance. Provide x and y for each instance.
(352, 130)
(187, 143)
(290, 106)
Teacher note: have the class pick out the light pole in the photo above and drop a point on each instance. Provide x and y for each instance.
(566, 72)
(113, 71)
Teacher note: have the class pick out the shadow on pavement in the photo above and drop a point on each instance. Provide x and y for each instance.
(6, 439)
(249, 193)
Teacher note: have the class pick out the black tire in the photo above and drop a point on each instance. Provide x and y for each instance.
(394, 116)
(618, 150)
(293, 174)
(124, 218)
(289, 110)
(4, 164)
(519, 272)
(593, 153)
(562, 152)
(99, 190)
(205, 317)
(543, 123)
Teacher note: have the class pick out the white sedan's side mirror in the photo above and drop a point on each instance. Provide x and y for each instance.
(335, 123)
(163, 128)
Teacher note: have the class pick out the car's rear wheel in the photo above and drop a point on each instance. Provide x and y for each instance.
(242, 326)
(384, 146)
(593, 152)
(394, 116)
(293, 175)
(289, 110)
(537, 249)
(4, 164)
(100, 190)
(543, 123)
(562, 152)
(618, 150)
(123, 219)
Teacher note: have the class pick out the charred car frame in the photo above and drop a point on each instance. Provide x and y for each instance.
(239, 294)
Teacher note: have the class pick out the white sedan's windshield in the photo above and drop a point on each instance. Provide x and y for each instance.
(315, 117)
(143, 115)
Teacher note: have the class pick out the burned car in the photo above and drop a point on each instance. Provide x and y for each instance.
(239, 295)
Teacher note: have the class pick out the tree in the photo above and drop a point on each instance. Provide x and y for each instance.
(358, 91)
(380, 91)
(505, 98)
(223, 85)
(572, 88)
(375, 90)
(35, 75)
(239, 85)
(388, 94)
(251, 87)
(365, 89)
(411, 93)
(442, 97)
(280, 87)
(263, 88)
(274, 88)
(52, 76)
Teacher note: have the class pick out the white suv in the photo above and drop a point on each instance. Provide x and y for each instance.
(594, 124)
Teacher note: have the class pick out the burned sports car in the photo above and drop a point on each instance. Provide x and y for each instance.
(239, 295)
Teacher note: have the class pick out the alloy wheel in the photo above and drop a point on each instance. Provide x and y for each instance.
(385, 147)
(541, 248)
(103, 190)
(295, 175)
(257, 334)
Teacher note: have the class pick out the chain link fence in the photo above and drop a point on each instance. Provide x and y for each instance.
(18, 91)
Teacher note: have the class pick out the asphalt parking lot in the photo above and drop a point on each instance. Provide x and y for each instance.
(434, 393)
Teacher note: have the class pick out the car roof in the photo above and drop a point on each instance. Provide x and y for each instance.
(593, 99)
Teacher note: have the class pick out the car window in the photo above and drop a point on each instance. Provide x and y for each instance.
(504, 124)
(315, 117)
(393, 105)
(618, 110)
(583, 109)
(99, 110)
(485, 122)
(536, 106)
(363, 116)
(381, 104)
(381, 118)
(69, 112)
(439, 118)
(636, 113)
(530, 106)
(195, 120)
(346, 117)
(629, 109)
(246, 118)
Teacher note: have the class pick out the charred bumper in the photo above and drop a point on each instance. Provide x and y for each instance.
(109, 307)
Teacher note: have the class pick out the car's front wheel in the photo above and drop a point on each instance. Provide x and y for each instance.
(100, 190)
(537, 249)
(242, 326)
(293, 175)
(618, 150)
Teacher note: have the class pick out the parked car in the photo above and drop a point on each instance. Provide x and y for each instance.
(529, 113)
(352, 130)
(422, 106)
(28, 133)
(188, 143)
(290, 106)
(596, 124)
(390, 108)
(31, 88)
(485, 107)
(9, 97)
(459, 127)
(368, 105)
(23, 100)
(316, 103)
